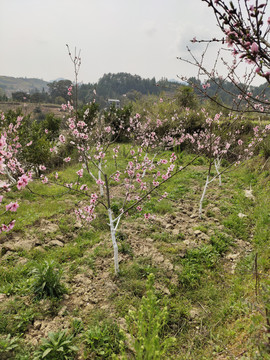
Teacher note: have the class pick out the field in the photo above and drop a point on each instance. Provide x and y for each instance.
(188, 288)
(31, 108)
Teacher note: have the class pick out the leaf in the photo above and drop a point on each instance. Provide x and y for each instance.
(46, 352)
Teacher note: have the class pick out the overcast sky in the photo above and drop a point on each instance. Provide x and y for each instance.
(142, 37)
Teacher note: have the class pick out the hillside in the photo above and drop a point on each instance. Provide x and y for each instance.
(202, 267)
(11, 84)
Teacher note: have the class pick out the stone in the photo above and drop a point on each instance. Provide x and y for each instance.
(159, 259)
(3, 297)
(175, 232)
(194, 313)
(55, 243)
(62, 311)
(37, 325)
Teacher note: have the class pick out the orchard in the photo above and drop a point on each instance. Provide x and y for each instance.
(143, 232)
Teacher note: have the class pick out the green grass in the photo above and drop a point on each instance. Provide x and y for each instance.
(212, 306)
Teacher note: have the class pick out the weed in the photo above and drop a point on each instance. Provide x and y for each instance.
(15, 317)
(146, 326)
(8, 345)
(195, 264)
(58, 346)
(103, 340)
(46, 281)
(221, 242)
(77, 326)
(125, 248)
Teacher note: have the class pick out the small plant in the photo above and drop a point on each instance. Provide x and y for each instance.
(8, 345)
(221, 242)
(77, 326)
(58, 346)
(195, 264)
(146, 326)
(125, 248)
(104, 340)
(47, 281)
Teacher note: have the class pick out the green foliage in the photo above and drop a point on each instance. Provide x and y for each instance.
(77, 326)
(118, 119)
(46, 281)
(265, 147)
(186, 97)
(196, 262)
(15, 317)
(88, 112)
(103, 340)
(220, 242)
(8, 346)
(59, 89)
(146, 326)
(59, 345)
(52, 124)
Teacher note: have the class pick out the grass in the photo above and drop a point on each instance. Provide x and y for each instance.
(212, 308)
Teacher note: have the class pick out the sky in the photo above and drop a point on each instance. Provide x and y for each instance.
(142, 37)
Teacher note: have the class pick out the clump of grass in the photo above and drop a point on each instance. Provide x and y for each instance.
(103, 340)
(196, 263)
(221, 242)
(47, 281)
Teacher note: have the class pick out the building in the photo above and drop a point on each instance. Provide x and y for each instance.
(114, 102)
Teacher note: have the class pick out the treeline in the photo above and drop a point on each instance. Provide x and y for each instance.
(225, 91)
(129, 88)
(117, 86)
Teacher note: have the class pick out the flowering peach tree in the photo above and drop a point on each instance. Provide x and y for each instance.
(11, 170)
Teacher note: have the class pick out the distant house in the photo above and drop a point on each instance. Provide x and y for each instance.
(114, 102)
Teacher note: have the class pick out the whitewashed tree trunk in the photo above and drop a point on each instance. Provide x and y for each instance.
(113, 237)
(203, 195)
(101, 189)
(10, 177)
(217, 163)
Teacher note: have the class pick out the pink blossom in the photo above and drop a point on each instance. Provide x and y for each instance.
(254, 47)
(45, 180)
(67, 159)
(23, 181)
(12, 206)
(80, 172)
(100, 182)
(62, 139)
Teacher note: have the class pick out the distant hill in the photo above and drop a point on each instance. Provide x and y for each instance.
(11, 84)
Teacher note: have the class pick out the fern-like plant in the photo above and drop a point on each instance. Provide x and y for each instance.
(146, 326)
